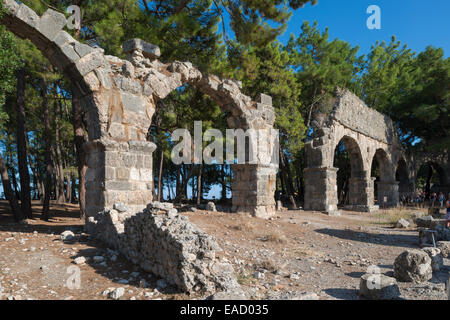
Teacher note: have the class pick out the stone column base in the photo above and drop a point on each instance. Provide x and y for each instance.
(118, 172)
(321, 189)
(388, 194)
(253, 189)
(361, 194)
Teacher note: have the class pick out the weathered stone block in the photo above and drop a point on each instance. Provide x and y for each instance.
(28, 16)
(149, 50)
(90, 62)
(11, 6)
(413, 266)
(378, 287)
(51, 23)
(265, 99)
(83, 49)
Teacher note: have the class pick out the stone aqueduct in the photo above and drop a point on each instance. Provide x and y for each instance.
(120, 97)
(367, 135)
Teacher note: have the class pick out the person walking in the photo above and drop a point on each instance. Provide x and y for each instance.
(441, 199)
(447, 216)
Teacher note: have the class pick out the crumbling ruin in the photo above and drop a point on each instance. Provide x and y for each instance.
(119, 98)
(366, 134)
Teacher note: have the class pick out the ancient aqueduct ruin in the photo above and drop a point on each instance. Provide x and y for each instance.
(119, 98)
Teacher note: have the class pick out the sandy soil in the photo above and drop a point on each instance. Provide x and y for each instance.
(297, 251)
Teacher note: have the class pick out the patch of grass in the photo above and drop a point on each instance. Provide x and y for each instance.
(391, 216)
(267, 264)
(245, 279)
(244, 225)
(276, 237)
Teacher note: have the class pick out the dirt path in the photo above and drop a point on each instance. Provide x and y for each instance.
(296, 252)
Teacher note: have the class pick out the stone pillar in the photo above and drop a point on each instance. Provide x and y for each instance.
(254, 189)
(321, 189)
(118, 172)
(407, 188)
(388, 191)
(361, 194)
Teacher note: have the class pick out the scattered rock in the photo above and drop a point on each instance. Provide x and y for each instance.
(413, 266)
(292, 295)
(161, 284)
(98, 259)
(234, 295)
(425, 222)
(444, 246)
(123, 281)
(378, 287)
(211, 206)
(437, 261)
(67, 235)
(80, 260)
(402, 223)
(117, 293)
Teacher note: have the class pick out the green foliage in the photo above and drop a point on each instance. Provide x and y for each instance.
(9, 63)
(413, 89)
(321, 66)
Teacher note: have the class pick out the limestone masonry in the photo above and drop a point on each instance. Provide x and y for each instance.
(166, 244)
(366, 134)
(119, 98)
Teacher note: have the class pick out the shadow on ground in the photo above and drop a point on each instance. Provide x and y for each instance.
(62, 217)
(398, 240)
(344, 294)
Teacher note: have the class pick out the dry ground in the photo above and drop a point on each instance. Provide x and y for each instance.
(298, 251)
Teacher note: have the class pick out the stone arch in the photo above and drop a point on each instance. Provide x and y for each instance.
(382, 157)
(118, 97)
(355, 155)
(369, 134)
(77, 61)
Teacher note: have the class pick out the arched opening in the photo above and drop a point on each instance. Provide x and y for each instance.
(191, 183)
(379, 172)
(348, 160)
(431, 178)
(405, 189)
(119, 98)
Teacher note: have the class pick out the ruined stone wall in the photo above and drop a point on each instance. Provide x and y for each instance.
(352, 113)
(165, 243)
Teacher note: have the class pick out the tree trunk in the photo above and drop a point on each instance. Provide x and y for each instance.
(10, 161)
(9, 194)
(47, 157)
(80, 152)
(61, 198)
(224, 185)
(68, 188)
(285, 174)
(199, 185)
(25, 183)
(161, 162)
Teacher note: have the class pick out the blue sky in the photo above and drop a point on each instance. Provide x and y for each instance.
(417, 23)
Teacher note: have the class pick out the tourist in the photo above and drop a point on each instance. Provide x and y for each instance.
(448, 211)
(433, 199)
(441, 199)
